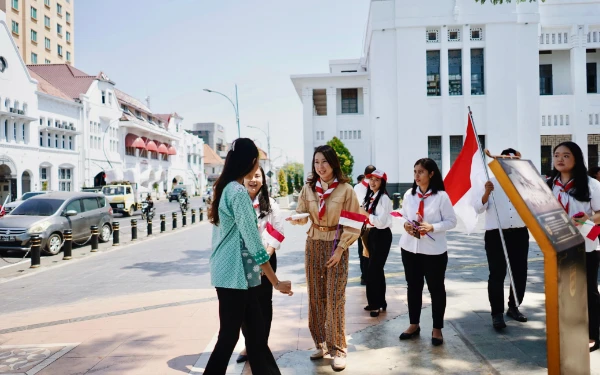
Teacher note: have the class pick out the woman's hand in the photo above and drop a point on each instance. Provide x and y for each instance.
(362, 211)
(425, 228)
(270, 250)
(336, 257)
(284, 287)
(409, 229)
(580, 220)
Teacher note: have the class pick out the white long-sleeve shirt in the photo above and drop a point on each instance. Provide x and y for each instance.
(589, 208)
(509, 217)
(361, 190)
(382, 217)
(276, 221)
(438, 211)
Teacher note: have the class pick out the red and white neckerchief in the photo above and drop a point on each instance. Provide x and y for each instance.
(370, 210)
(421, 210)
(563, 194)
(256, 203)
(324, 195)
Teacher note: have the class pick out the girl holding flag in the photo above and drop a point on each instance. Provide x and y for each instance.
(332, 207)
(270, 225)
(579, 195)
(427, 214)
(377, 206)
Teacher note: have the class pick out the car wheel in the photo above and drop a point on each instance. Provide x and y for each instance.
(54, 244)
(131, 210)
(105, 233)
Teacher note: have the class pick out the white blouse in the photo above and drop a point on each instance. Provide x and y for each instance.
(276, 221)
(382, 217)
(437, 211)
(589, 208)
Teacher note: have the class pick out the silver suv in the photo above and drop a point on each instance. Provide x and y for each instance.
(50, 214)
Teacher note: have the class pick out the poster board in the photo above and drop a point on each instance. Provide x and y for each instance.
(564, 264)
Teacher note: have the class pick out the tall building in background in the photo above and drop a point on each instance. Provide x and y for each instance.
(43, 29)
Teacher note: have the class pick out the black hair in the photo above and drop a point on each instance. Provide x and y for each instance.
(370, 169)
(435, 183)
(263, 197)
(593, 171)
(334, 162)
(509, 151)
(240, 161)
(360, 177)
(382, 190)
(581, 192)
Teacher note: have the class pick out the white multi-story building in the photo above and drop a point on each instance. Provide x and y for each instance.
(529, 72)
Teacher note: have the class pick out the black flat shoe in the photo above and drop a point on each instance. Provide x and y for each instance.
(595, 347)
(370, 308)
(384, 307)
(435, 341)
(242, 358)
(374, 314)
(498, 321)
(408, 336)
(514, 313)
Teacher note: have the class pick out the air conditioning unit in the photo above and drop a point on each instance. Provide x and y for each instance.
(21, 112)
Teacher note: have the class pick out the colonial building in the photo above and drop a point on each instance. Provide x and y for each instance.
(529, 72)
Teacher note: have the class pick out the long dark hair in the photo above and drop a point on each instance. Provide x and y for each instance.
(334, 163)
(581, 192)
(435, 183)
(382, 190)
(240, 161)
(264, 203)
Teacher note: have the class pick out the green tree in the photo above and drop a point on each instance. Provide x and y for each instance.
(506, 1)
(346, 159)
(298, 182)
(283, 188)
(290, 183)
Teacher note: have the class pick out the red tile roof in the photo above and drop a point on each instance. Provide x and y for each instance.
(131, 101)
(164, 118)
(211, 157)
(66, 78)
(47, 88)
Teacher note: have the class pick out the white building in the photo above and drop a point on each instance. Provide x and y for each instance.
(529, 72)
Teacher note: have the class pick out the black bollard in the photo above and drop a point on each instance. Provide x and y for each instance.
(163, 223)
(115, 226)
(36, 249)
(174, 220)
(133, 229)
(201, 214)
(68, 246)
(183, 219)
(193, 216)
(94, 240)
(396, 201)
(149, 227)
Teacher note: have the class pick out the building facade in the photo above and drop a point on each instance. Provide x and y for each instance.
(213, 135)
(44, 30)
(528, 71)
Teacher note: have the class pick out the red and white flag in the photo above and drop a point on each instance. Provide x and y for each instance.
(589, 230)
(352, 219)
(273, 236)
(465, 178)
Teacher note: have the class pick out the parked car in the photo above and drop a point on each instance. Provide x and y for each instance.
(50, 214)
(12, 205)
(176, 194)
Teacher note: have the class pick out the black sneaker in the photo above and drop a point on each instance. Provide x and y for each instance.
(498, 321)
(514, 313)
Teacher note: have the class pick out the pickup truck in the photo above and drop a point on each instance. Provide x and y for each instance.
(122, 197)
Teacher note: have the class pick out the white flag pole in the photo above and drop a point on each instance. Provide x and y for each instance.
(510, 276)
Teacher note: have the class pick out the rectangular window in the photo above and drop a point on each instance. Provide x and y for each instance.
(64, 144)
(434, 149)
(455, 72)
(33, 13)
(33, 58)
(47, 45)
(349, 100)
(477, 84)
(68, 56)
(41, 139)
(60, 51)
(103, 97)
(15, 27)
(64, 183)
(49, 140)
(68, 17)
(433, 73)
(47, 22)
(55, 140)
(33, 35)
(15, 4)
(546, 156)
(130, 151)
(46, 61)
(359, 135)
(47, 3)
(70, 142)
(68, 37)
(59, 29)
(44, 173)
(592, 78)
(59, 9)
(456, 144)
(592, 156)
(546, 79)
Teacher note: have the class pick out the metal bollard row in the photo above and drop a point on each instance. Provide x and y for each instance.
(94, 240)
(149, 228)
(174, 220)
(116, 235)
(193, 216)
(68, 246)
(183, 219)
(163, 223)
(133, 230)
(36, 249)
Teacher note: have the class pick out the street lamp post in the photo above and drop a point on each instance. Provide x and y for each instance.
(235, 106)
(268, 135)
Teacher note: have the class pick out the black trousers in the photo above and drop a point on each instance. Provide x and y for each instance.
(592, 263)
(380, 241)
(265, 298)
(240, 308)
(432, 268)
(364, 261)
(517, 247)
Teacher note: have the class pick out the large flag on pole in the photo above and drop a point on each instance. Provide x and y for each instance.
(466, 179)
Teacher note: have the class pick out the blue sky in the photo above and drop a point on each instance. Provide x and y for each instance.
(172, 49)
